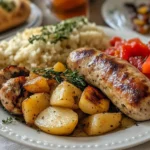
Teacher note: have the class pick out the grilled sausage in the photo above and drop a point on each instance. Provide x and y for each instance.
(121, 82)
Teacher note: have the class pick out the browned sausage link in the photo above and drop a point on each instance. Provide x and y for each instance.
(125, 85)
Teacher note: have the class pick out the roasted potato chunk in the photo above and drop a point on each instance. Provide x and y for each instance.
(92, 101)
(101, 123)
(66, 95)
(37, 85)
(33, 105)
(32, 75)
(127, 122)
(59, 67)
(57, 120)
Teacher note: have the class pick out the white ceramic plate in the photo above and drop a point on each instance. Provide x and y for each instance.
(129, 137)
(117, 16)
(34, 20)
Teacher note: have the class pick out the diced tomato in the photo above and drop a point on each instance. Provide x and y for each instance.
(146, 66)
(148, 75)
(148, 45)
(110, 51)
(134, 40)
(137, 62)
(133, 50)
(125, 51)
(138, 48)
(114, 40)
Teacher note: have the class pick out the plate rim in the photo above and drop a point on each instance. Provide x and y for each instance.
(6, 132)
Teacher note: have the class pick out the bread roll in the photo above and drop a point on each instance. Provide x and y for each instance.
(13, 13)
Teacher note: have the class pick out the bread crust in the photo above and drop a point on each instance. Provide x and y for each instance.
(11, 19)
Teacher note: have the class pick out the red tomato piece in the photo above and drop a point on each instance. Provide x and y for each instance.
(125, 51)
(137, 62)
(110, 51)
(148, 45)
(146, 66)
(114, 40)
(148, 75)
(138, 48)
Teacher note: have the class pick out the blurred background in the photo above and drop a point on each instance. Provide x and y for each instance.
(132, 15)
(56, 10)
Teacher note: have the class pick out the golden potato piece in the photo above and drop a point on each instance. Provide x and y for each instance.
(37, 85)
(59, 67)
(57, 120)
(66, 95)
(33, 105)
(92, 101)
(101, 123)
(32, 75)
(52, 83)
(127, 122)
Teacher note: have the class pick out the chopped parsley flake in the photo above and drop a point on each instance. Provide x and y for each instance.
(9, 120)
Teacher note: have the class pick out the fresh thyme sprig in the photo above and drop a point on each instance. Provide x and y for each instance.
(8, 6)
(59, 31)
(69, 75)
(74, 78)
(9, 120)
(49, 73)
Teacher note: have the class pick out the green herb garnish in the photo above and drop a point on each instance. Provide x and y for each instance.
(69, 75)
(49, 73)
(74, 78)
(9, 120)
(7, 5)
(45, 34)
(59, 31)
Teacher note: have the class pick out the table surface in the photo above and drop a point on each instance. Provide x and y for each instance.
(95, 16)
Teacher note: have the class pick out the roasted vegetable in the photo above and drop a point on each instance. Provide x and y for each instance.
(37, 85)
(33, 105)
(32, 75)
(66, 95)
(59, 67)
(127, 122)
(57, 120)
(69, 75)
(92, 101)
(101, 123)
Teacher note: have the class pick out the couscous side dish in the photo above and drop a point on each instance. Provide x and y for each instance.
(45, 46)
